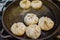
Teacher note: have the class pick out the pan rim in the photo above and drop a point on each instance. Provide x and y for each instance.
(24, 38)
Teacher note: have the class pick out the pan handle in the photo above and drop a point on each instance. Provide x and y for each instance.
(2, 36)
(1, 32)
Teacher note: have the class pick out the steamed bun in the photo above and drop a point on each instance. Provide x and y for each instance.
(36, 4)
(45, 23)
(18, 28)
(33, 31)
(25, 4)
(30, 18)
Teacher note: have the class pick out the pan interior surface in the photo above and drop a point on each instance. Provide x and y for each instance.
(15, 14)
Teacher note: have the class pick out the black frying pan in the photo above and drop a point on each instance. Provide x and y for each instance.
(14, 13)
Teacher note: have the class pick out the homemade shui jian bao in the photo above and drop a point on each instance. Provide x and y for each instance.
(36, 4)
(18, 28)
(45, 23)
(30, 18)
(25, 4)
(33, 31)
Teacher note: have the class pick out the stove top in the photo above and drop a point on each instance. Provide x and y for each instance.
(4, 35)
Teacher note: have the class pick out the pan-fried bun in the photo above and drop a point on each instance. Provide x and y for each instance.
(36, 4)
(30, 18)
(33, 31)
(25, 4)
(18, 28)
(45, 23)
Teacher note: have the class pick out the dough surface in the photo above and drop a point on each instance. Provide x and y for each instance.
(45, 23)
(33, 31)
(30, 18)
(36, 4)
(25, 4)
(18, 28)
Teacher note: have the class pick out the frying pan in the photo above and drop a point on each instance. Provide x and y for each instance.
(14, 13)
